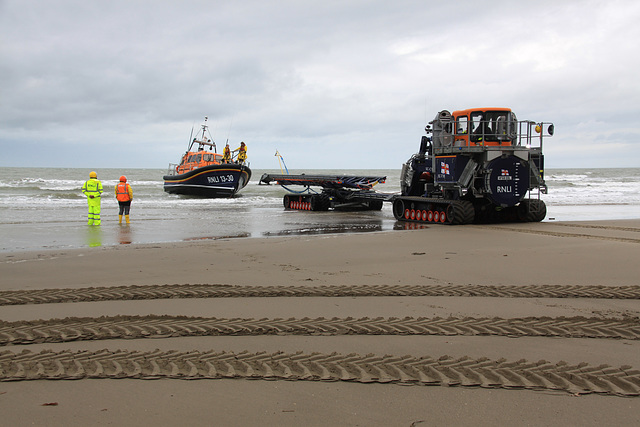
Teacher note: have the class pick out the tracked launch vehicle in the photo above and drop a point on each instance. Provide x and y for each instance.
(337, 192)
(476, 165)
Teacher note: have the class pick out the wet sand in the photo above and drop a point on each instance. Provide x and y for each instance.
(495, 324)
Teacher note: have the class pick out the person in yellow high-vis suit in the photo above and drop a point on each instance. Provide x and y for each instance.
(242, 153)
(93, 190)
(226, 154)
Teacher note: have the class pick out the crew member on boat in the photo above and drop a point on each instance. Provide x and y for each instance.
(93, 190)
(242, 153)
(124, 195)
(226, 154)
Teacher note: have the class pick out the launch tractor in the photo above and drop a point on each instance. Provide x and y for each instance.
(475, 166)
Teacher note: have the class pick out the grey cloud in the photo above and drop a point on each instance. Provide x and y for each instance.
(309, 77)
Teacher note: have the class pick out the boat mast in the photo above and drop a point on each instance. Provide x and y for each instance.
(202, 140)
(204, 130)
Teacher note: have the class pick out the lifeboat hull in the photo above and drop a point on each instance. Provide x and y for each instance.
(214, 181)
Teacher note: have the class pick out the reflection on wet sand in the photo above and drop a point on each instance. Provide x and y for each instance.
(94, 236)
(327, 229)
(191, 239)
(401, 225)
(297, 224)
(124, 234)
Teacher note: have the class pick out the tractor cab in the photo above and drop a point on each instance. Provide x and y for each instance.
(487, 127)
(476, 127)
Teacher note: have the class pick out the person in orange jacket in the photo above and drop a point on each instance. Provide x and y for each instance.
(124, 194)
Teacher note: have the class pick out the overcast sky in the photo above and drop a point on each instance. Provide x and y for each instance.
(341, 84)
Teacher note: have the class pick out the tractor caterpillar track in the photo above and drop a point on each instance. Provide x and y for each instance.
(422, 209)
(324, 201)
(457, 212)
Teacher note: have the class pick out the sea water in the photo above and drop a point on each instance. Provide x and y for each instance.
(44, 208)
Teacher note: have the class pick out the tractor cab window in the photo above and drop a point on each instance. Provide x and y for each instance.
(479, 127)
(462, 124)
(491, 126)
(501, 127)
(506, 127)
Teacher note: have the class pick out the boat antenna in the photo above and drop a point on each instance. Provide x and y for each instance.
(230, 125)
(191, 137)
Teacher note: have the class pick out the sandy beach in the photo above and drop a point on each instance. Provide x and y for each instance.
(509, 324)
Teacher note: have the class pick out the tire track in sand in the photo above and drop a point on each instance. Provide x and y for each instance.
(561, 234)
(406, 370)
(149, 292)
(152, 326)
(465, 371)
